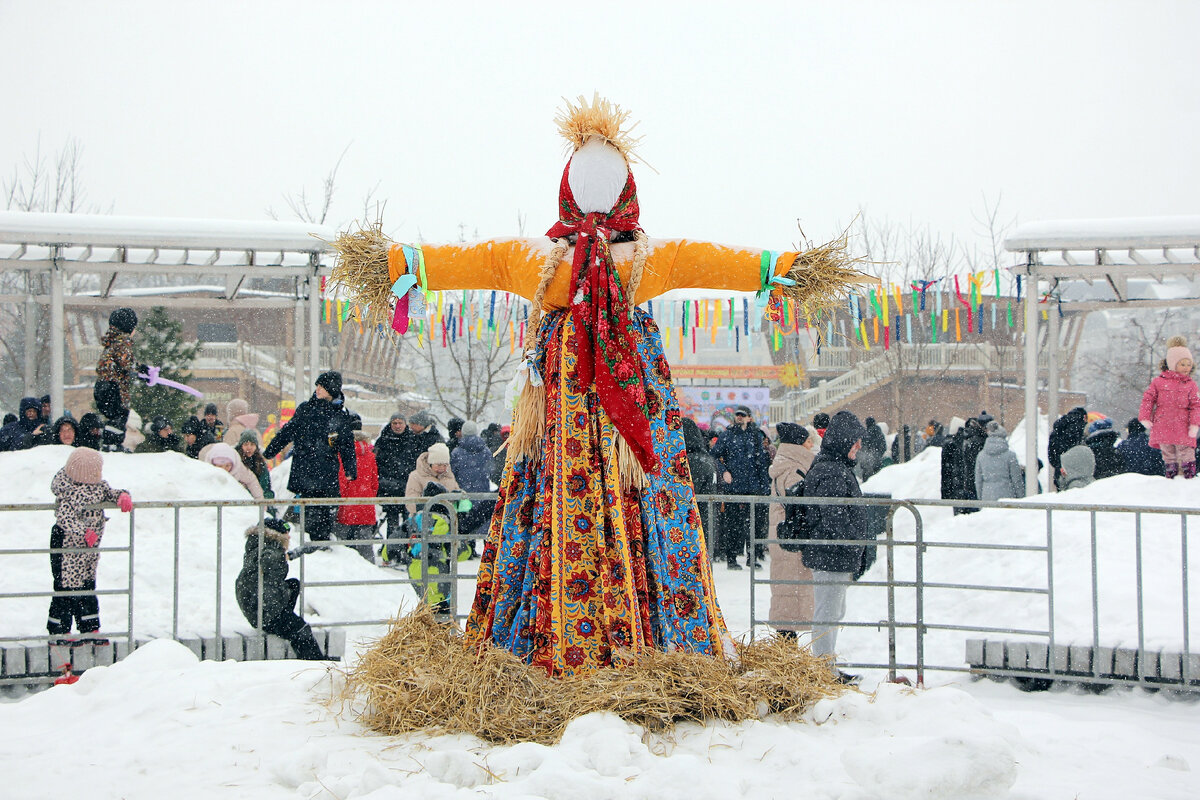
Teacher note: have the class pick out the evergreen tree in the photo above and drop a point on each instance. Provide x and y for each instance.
(159, 343)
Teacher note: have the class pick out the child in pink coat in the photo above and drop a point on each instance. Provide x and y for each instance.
(1171, 411)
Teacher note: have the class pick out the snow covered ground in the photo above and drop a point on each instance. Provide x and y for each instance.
(162, 722)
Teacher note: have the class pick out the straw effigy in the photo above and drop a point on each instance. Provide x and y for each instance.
(421, 677)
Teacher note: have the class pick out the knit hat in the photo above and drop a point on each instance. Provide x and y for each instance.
(820, 420)
(84, 465)
(397, 416)
(211, 408)
(248, 435)
(123, 319)
(1135, 427)
(331, 382)
(422, 418)
(454, 425)
(236, 407)
(90, 421)
(159, 423)
(1096, 426)
(193, 426)
(1177, 351)
(439, 453)
(470, 429)
(791, 433)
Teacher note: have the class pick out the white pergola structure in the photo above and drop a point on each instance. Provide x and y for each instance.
(1124, 255)
(70, 247)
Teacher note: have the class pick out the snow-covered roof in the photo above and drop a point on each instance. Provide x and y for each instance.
(34, 228)
(1106, 234)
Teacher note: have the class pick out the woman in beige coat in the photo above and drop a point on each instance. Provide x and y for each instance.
(791, 606)
(432, 465)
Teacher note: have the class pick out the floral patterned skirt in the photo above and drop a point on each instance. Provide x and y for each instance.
(576, 573)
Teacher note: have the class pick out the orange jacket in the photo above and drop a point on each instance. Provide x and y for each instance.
(513, 265)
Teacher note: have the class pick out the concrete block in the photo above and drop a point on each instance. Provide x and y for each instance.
(276, 648)
(83, 657)
(256, 647)
(1103, 659)
(1193, 668)
(13, 656)
(193, 643)
(104, 654)
(336, 644)
(1059, 657)
(1125, 662)
(1016, 655)
(1079, 659)
(43, 659)
(1147, 666)
(233, 647)
(974, 654)
(213, 649)
(1037, 654)
(993, 654)
(1170, 667)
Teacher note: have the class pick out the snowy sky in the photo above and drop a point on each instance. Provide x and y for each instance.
(754, 117)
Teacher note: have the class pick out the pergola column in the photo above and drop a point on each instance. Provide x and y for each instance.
(57, 332)
(1031, 389)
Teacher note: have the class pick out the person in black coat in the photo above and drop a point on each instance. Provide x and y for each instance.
(1136, 453)
(320, 431)
(493, 436)
(703, 468)
(834, 565)
(974, 438)
(935, 434)
(741, 453)
(390, 449)
(65, 430)
(454, 427)
(874, 447)
(1067, 432)
(279, 592)
(424, 435)
(19, 435)
(471, 463)
(1102, 440)
(196, 437)
(91, 429)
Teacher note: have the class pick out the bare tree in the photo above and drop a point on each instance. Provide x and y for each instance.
(1117, 371)
(467, 375)
(41, 182)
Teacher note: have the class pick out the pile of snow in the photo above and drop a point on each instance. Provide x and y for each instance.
(266, 730)
(164, 477)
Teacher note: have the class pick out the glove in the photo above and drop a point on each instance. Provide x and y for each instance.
(1193, 430)
(91, 537)
(142, 369)
(125, 502)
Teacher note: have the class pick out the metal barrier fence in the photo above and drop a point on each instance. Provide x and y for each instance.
(1053, 649)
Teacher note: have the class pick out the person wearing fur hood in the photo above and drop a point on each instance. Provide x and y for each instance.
(791, 606)
(237, 411)
(77, 488)
(225, 457)
(1170, 410)
(265, 574)
(433, 466)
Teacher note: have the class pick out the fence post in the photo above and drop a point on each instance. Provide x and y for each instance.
(175, 584)
(890, 541)
(1050, 586)
(919, 580)
(129, 609)
(1187, 657)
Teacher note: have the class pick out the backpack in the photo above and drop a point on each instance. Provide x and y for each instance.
(792, 526)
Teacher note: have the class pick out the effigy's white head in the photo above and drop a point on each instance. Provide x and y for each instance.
(597, 175)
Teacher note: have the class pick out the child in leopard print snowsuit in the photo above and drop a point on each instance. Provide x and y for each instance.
(77, 486)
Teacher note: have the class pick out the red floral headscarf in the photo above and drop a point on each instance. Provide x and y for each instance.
(600, 309)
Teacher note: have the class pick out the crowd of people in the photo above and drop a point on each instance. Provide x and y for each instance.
(332, 457)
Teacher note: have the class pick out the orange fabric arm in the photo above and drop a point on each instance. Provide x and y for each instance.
(687, 264)
(509, 265)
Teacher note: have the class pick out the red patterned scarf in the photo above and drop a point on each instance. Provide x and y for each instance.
(600, 310)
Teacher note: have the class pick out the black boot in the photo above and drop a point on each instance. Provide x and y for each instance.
(305, 645)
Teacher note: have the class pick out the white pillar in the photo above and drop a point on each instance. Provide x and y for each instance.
(1052, 343)
(298, 338)
(31, 348)
(57, 333)
(314, 327)
(1031, 389)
